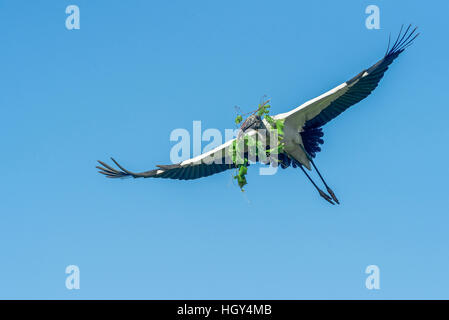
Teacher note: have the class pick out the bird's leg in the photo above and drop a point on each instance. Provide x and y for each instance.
(321, 192)
(321, 177)
(325, 184)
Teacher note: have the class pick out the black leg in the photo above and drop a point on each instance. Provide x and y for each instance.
(327, 187)
(321, 192)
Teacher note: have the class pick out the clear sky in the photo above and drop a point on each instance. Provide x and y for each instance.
(136, 70)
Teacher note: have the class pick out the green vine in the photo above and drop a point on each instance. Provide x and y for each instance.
(247, 142)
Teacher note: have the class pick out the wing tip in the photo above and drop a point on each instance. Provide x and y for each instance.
(403, 41)
(110, 172)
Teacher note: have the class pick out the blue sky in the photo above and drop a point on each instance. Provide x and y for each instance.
(136, 70)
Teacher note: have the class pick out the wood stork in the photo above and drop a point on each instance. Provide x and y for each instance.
(302, 128)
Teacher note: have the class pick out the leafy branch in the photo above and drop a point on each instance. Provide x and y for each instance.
(247, 142)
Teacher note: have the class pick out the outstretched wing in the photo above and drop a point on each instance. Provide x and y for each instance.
(206, 164)
(317, 112)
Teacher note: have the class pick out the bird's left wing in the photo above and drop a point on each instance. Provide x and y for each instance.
(215, 161)
(318, 111)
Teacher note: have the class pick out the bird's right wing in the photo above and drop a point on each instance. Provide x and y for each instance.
(215, 161)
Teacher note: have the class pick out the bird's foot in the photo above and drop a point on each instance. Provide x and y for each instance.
(333, 195)
(325, 196)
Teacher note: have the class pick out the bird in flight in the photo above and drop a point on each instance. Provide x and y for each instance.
(302, 128)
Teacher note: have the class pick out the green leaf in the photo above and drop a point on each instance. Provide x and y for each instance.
(243, 170)
(238, 119)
